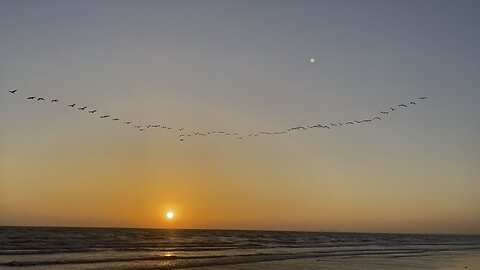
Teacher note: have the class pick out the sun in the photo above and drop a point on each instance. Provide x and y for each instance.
(170, 215)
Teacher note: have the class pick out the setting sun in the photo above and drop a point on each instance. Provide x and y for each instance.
(170, 215)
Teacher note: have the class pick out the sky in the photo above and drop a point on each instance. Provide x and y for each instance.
(241, 66)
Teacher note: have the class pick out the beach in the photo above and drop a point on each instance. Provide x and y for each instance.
(441, 261)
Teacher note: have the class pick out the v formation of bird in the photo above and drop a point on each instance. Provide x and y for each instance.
(184, 134)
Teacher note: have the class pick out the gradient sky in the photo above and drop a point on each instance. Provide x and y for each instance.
(241, 66)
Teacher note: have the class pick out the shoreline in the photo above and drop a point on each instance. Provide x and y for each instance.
(434, 261)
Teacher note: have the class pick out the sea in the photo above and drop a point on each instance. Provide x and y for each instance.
(115, 248)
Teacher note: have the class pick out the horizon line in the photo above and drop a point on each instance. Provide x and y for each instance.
(233, 229)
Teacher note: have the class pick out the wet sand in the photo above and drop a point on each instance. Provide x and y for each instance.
(433, 261)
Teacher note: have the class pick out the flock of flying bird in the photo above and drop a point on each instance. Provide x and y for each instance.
(183, 134)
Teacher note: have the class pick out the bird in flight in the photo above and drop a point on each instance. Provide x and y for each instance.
(237, 136)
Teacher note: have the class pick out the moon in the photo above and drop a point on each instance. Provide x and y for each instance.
(170, 215)
(312, 60)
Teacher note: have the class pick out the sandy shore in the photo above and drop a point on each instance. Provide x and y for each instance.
(434, 261)
(470, 261)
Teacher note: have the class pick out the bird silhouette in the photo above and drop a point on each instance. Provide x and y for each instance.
(236, 135)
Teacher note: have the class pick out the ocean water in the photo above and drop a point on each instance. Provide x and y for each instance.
(112, 248)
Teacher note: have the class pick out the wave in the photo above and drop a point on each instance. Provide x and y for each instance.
(194, 261)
